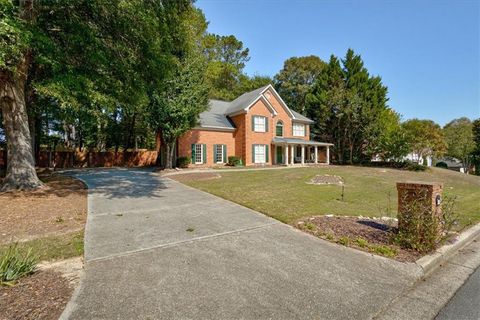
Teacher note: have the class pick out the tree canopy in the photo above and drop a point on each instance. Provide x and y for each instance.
(347, 103)
(296, 78)
(425, 138)
(459, 141)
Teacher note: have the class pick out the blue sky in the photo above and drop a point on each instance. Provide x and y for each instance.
(427, 52)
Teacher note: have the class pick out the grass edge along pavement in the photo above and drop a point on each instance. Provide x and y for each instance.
(286, 195)
(266, 191)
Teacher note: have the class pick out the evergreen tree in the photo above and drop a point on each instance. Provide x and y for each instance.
(346, 104)
(226, 59)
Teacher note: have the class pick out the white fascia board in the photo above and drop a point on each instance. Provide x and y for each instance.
(284, 105)
(213, 128)
(269, 106)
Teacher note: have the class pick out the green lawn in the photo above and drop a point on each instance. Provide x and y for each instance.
(52, 248)
(285, 195)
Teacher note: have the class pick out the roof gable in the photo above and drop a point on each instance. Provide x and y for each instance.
(217, 115)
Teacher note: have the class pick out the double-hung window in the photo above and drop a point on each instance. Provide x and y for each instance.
(260, 124)
(260, 153)
(219, 153)
(298, 130)
(198, 153)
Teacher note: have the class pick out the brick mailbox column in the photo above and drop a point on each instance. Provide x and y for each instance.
(420, 208)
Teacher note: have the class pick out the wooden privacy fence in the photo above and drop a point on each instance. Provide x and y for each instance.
(83, 159)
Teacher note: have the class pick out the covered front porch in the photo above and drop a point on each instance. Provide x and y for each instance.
(291, 151)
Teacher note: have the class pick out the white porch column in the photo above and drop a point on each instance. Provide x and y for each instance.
(316, 154)
(303, 154)
(292, 155)
(286, 154)
(328, 154)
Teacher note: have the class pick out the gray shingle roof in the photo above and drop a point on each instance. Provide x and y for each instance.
(244, 100)
(279, 140)
(217, 114)
(300, 117)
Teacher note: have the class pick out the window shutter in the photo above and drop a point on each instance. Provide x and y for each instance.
(225, 153)
(214, 153)
(266, 124)
(253, 123)
(193, 154)
(204, 153)
(253, 153)
(266, 153)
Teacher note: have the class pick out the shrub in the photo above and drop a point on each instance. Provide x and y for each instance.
(405, 165)
(13, 265)
(183, 162)
(441, 164)
(234, 161)
(413, 166)
(420, 228)
(450, 216)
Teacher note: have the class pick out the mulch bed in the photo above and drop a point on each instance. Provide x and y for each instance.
(57, 208)
(376, 232)
(326, 179)
(42, 295)
(199, 176)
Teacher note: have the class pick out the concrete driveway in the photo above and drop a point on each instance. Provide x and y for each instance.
(156, 249)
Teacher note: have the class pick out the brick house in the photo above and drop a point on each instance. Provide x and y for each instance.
(257, 127)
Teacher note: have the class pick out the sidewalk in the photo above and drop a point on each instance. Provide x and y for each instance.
(429, 296)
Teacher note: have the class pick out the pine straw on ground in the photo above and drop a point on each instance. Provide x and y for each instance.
(42, 295)
(57, 208)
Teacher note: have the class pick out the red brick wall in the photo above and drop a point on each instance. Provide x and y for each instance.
(239, 142)
(252, 137)
(75, 159)
(239, 136)
(205, 137)
(285, 117)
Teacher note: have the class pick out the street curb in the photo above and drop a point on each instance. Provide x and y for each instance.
(432, 261)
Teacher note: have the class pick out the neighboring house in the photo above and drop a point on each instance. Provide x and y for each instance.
(425, 160)
(257, 127)
(452, 164)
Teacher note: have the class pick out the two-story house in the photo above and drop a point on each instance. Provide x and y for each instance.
(258, 127)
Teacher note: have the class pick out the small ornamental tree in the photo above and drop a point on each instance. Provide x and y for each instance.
(175, 108)
(459, 139)
(425, 138)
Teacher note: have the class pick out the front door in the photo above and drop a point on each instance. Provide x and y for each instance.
(279, 155)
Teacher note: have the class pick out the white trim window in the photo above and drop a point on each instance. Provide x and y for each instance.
(298, 130)
(260, 153)
(259, 124)
(219, 153)
(198, 154)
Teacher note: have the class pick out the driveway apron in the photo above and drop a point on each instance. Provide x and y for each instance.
(156, 249)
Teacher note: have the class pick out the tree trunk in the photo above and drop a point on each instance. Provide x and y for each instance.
(169, 149)
(20, 173)
(158, 147)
